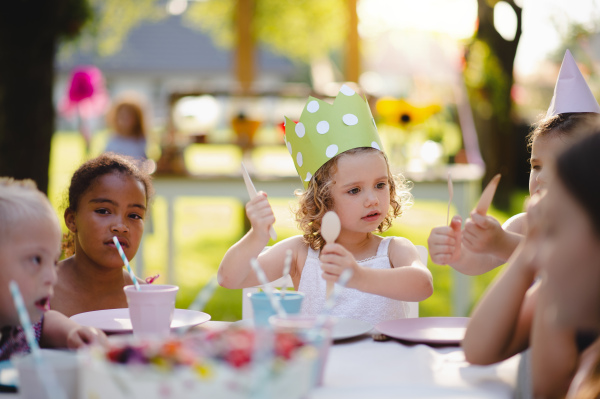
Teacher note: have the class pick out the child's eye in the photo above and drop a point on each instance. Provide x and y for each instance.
(102, 211)
(353, 191)
(536, 167)
(136, 216)
(381, 185)
(37, 260)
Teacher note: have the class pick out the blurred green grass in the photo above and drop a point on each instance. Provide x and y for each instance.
(207, 227)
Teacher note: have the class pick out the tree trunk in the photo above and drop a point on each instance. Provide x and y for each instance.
(27, 49)
(497, 131)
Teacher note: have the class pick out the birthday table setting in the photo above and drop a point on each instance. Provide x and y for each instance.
(180, 353)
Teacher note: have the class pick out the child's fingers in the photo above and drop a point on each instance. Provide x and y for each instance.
(456, 223)
(333, 249)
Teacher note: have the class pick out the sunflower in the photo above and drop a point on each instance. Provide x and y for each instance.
(399, 112)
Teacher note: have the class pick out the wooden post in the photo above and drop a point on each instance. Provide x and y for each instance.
(352, 53)
(244, 63)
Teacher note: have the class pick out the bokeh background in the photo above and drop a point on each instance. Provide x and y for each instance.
(450, 82)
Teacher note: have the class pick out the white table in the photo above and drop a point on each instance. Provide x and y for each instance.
(370, 369)
(362, 368)
(432, 186)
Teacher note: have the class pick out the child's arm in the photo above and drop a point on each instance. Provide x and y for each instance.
(235, 271)
(485, 235)
(501, 323)
(407, 280)
(554, 355)
(58, 331)
(466, 252)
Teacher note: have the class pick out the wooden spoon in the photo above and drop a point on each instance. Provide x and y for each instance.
(487, 196)
(330, 230)
(451, 195)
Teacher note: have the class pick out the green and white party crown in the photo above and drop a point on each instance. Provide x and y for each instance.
(326, 130)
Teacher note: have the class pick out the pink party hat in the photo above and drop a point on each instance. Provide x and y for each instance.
(571, 93)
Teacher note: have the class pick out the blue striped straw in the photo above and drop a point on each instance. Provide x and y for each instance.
(46, 374)
(275, 302)
(120, 249)
(204, 295)
(345, 276)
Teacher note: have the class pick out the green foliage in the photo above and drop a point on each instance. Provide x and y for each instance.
(298, 29)
(487, 82)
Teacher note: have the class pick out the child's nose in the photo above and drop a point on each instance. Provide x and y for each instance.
(119, 227)
(372, 198)
(50, 276)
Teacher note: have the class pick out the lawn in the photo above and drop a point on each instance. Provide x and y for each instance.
(207, 227)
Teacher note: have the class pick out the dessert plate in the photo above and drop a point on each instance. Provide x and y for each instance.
(430, 330)
(349, 328)
(117, 320)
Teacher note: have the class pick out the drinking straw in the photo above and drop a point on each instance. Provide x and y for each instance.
(46, 374)
(120, 249)
(275, 302)
(345, 276)
(204, 295)
(287, 265)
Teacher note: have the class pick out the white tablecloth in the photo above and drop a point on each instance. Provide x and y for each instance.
(377, 370)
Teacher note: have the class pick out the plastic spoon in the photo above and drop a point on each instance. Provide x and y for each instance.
(252, 193)
(487, 196)
(330, 230)
(451, 195)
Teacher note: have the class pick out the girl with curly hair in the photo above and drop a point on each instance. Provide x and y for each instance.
(357, 184)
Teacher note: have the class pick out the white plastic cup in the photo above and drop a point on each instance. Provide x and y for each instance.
(151, 309)
(63, 364)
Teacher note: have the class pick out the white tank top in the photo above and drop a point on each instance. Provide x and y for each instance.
(351, 303)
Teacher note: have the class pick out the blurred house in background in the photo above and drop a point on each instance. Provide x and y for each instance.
(160, 58)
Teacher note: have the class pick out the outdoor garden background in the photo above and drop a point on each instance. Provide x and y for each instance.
(502, 55)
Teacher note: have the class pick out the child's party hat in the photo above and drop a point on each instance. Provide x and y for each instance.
(326, 130)
(571, 93)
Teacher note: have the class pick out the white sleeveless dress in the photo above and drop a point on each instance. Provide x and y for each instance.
(351, 303)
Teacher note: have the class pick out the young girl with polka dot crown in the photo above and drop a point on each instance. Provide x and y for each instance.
(108, 197)
(336, 151)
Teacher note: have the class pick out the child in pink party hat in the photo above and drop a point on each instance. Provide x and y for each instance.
(512, 315)
(483, 244)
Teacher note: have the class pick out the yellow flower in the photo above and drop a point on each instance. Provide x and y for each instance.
(399, 112)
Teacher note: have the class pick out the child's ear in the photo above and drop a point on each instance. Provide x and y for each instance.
(70, 220)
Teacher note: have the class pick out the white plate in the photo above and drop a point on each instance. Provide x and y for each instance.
(117, 320)
(432, 330)
(349, 328)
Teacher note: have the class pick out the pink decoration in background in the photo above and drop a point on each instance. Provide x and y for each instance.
(86, 94)
(86, 98)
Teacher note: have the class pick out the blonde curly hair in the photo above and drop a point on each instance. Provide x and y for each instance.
(317, 199)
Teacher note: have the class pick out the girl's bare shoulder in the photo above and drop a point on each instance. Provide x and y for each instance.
(402, 252)
(516, 224)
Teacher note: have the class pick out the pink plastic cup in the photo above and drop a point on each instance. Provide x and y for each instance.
(302, 324)
(151, 309)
